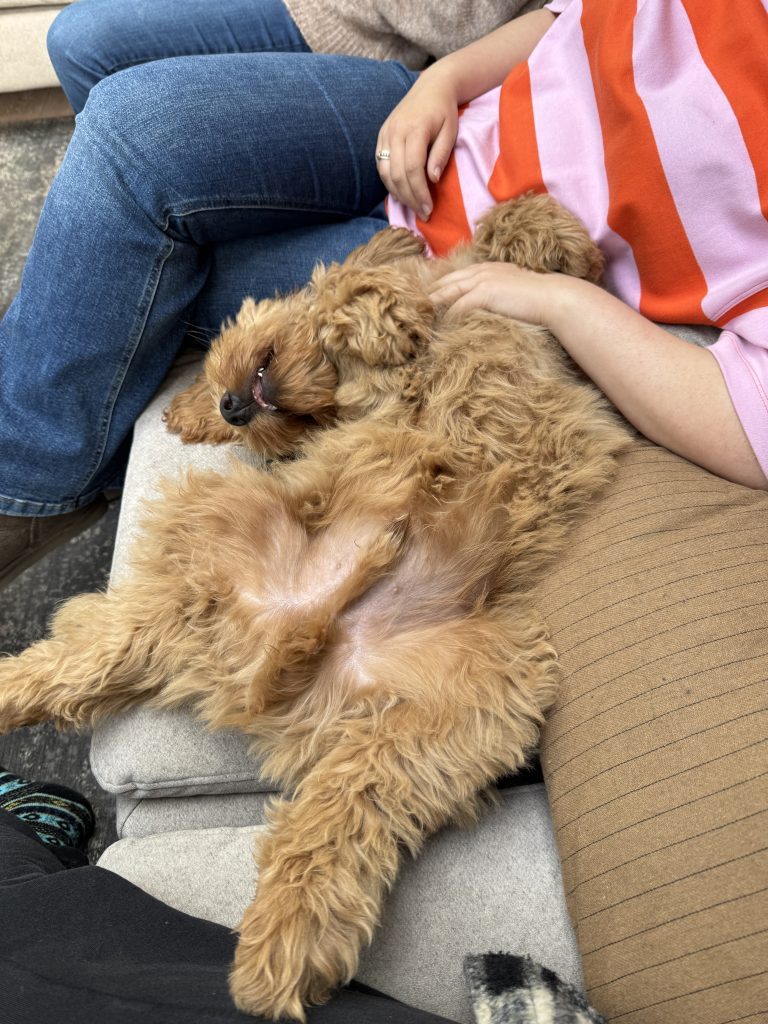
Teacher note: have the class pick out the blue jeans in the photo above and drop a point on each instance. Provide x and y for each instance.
(190, 182)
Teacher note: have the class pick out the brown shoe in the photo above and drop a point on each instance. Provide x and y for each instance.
(24, 539)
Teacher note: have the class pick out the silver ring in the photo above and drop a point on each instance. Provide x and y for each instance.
(383, 154)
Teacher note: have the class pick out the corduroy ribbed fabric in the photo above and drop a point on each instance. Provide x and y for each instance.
(655, 754)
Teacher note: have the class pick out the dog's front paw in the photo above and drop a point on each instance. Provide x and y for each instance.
(536, 232)
(192, 414)
(284, 961)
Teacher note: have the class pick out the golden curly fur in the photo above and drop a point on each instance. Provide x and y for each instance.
(363, 611)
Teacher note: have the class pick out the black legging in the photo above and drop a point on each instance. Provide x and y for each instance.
(84, 946)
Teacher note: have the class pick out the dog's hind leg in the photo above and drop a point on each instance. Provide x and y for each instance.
(150, 638)
(395, 769)
(104, 654)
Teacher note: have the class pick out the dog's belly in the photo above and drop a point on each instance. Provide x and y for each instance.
(366, 612)
(419, 591)
(384, 629)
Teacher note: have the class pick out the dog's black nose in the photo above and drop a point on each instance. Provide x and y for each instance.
(235, 410)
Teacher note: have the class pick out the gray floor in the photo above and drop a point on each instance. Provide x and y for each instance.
(29, 156)
(26, 606)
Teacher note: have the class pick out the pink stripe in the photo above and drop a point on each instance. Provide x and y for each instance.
(401, 216)
(696, 130)
(570, 142)
(745, 369)
(752, 327)
(477, 150)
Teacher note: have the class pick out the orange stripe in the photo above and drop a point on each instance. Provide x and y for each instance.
(733, 42)
(756, 301)
(517, 169)
(640, 208)
(448, 225)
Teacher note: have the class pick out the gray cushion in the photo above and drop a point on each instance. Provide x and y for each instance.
(166, 753)
(695, 333)
(156, 454)
(146, 817)
(169, 753)
(495, 887)
(137, 818)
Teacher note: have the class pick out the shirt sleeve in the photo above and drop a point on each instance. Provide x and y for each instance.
(438, 28)
(557, 6)
(744, 365)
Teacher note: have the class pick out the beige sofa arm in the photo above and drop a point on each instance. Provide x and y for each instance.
(24, 62)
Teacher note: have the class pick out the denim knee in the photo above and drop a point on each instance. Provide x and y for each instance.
(130, 122)
(75, 43)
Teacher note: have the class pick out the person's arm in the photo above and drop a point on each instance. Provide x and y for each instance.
(420, 132)
(671, 391)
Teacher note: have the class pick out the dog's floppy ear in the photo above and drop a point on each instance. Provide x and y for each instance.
(379, 315)
(387, 246)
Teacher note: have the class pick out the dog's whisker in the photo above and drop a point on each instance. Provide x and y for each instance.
(200, 327)
(198, 332)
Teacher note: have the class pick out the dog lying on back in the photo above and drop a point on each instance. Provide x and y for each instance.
(361, 611)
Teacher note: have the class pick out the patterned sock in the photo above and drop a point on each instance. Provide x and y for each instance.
(59, 816)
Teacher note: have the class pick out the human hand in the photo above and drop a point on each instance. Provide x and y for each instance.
(501, 288)
(419, 135)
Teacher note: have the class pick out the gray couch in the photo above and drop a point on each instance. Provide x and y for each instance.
(190, 808)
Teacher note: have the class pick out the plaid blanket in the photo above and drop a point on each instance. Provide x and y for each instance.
(507, 989)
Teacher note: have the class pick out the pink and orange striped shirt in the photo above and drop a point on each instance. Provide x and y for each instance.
(648, 119)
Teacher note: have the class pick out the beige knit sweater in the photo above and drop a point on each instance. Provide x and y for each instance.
(410, 31)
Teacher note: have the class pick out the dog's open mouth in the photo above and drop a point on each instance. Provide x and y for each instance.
(257, 390)
(257, 387)
(239, 408)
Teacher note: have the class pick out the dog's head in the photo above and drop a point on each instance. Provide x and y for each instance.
(336, 350)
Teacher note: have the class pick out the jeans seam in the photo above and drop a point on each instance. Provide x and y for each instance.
(270, 203)
(134, 339)
(140, 62)
(345, 131)
(28, 506)
(410, 77)
(127, 357)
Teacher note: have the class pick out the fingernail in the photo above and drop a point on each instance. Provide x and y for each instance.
(425, 212)
(437, 170)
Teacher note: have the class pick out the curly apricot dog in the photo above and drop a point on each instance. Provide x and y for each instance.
(361, 611)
